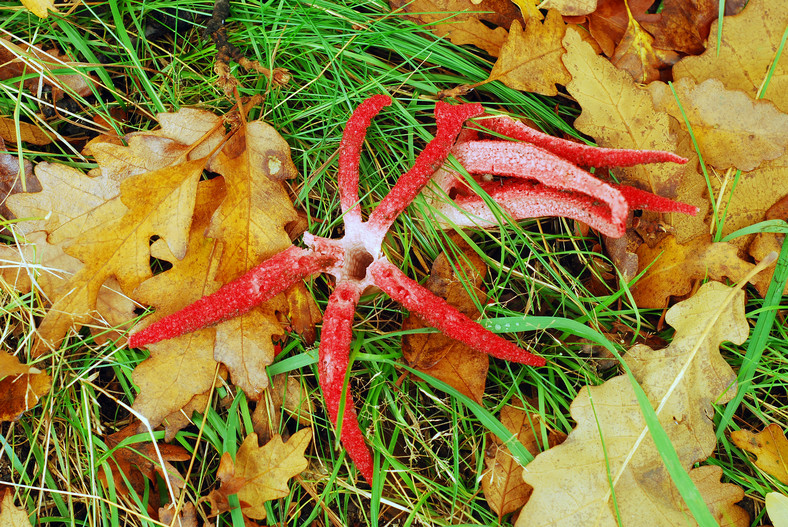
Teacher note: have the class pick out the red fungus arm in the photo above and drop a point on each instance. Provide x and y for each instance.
(450, 120)
(259, 284)
(641, 199)
(441, 315)
(335, 340)
(579, 154)
(579, 189)
(350, 153)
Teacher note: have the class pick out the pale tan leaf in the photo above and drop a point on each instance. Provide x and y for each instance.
(570, 7)
(777, 507)
(731, 128)
(10, 514)
(749, 45)
(611, 439)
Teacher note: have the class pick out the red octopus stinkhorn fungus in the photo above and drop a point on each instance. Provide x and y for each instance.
(357, 261)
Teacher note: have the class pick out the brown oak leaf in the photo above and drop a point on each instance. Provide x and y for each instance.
(502, 483)
(436, 354)
(260, 474)
(21, 386)
(135, 461)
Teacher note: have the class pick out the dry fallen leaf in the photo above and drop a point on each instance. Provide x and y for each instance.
(570, 7)
(187, 516)
(636, 54)
(40, 8)
(530, 59)
(137, 462)
(731, 128)
(463, 21)
(770, 446)
(609, 22)
(27, 132)
(10, 514)
(683, 25)
(436, 354)
(21, 386)
(777, 508)
(284, 392)
(750, 41)
(188, 360)
(675, 267)
(683, 380)
(502, 483)
(18, 59)
(766, 242)
(260, 474)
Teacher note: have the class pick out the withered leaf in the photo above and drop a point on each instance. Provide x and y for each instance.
(570, 7)
(139, 461)
(683, 380)
(684, 25)
(749, 43)
(188, 360)
(610, 21)
(10, 514)
(260, 474)
(673, 268)
(731, 128)
(636, 54)
(21, 386)
(503, 484)
(27, 133)
(443, 358)
(19, 59)
(770, 446)
(530, 59)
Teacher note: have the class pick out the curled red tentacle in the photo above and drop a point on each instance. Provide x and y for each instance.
(335, 342)
(579, 154)
(350, 152)
(259, 284)
(441, 315)
(450, 120)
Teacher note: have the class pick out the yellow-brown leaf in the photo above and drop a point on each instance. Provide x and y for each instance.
(21, 386)
(770, 448)
(530, 59)
(260, 474)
